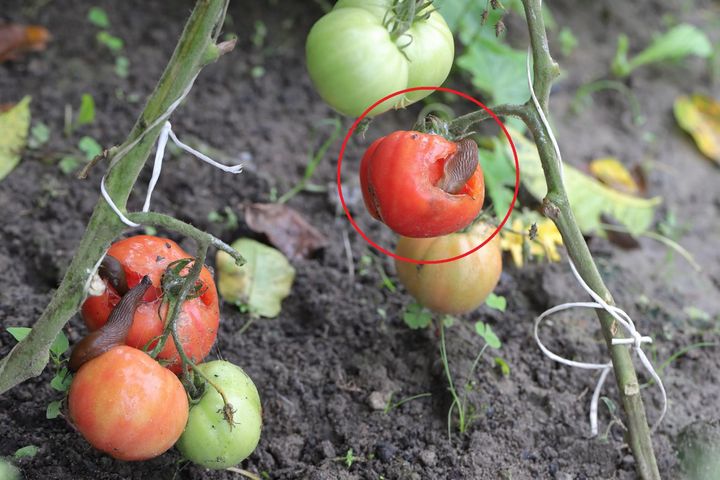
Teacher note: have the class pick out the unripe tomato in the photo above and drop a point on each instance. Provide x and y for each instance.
(127, 405)
(198, 320)
(209, 440)
(400, 176)
(354, 61)
(452, 287)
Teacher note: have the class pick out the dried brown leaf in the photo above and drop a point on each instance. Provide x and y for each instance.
(17, 39)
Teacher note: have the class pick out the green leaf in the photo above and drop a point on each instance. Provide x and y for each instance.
(60, 345)
(98, 17)
(62, 380)
(18, 332)
(680, 41)
(28, 451)
(39, 135)
(86, 114)
(504, 367)
(122, 67)
(589, 198)
(486, 332)
(612, 408)
(115, 44)
(496, 70)
(448, 321)
(68, 164)
(416, 317)
(568, 42)
(499, 180)
(496, 301)
(261, 284)
(53, 409)
(90, 147)
(14, 127)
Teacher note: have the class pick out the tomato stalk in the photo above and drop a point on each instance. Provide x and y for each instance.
(556, 207)
(195, 49)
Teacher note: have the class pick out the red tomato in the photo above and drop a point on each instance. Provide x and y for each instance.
(198, 321)
(399, 175)
(128, 406)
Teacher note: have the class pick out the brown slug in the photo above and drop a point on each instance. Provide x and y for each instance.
(113, 272)
(459, 167)
(114, 332)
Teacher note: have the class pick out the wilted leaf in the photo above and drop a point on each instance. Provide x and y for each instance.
(261, 284)
(516, 240)
(14, 127)
(700, 117)
(611, 172)
(285, 228)
(589, 198)
(17, 39)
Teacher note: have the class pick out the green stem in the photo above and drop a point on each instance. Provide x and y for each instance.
(29, 357)
(557, 207)
(460, 125)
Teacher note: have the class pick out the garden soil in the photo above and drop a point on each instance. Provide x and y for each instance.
(326, 365)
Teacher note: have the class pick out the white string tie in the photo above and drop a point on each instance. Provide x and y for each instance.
(635, 339)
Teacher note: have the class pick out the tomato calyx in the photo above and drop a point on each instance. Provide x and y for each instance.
(401, 16)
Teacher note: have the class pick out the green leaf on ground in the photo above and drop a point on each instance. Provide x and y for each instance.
(27, 451)
(98, 17)
(589, 198)
(90, 147)
(496, 302)
(18, 333)
(486, 332)
(14, 128)
(39, 135)
(86, 113)
(53, 409)
(261, 283)
(416, 316)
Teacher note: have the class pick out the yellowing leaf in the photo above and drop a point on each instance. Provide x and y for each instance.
(14, 127)
(611, 172)
(516, 240)
(589, 198)
(261, 283)
(700, 117)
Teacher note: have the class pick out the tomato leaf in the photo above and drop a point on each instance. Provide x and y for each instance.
(589, 198)
(678, 42)
(416, 316)
(261, 284)
(700, 117)
(19, 333)
(62, 380)
(486, 332)
(496, 302)
(285, 228)
(27, 451)
(14, 125)
(53, 409)
(499, 180)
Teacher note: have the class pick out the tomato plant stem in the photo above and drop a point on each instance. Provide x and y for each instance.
(195, 49)
(557, 207)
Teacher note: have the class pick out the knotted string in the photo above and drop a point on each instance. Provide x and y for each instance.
(635, 339)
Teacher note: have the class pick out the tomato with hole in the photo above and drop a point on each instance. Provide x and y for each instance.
(209, 439)
(127, 405)
(355, 60)
(399, 176)
(453, 287)
(198, 321)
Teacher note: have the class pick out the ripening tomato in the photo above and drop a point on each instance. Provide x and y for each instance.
(198, 320)
(452, 287)
(401, 177)
(209, 440)
(127, 405)
(355, 59)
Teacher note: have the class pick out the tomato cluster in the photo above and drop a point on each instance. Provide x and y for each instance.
(130, 406)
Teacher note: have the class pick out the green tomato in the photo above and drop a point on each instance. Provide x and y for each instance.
(209, 440)
(353, 60)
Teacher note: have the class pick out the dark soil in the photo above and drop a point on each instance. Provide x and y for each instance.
(330, 350)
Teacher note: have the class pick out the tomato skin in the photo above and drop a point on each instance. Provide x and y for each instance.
(453, 287)
(398, 176)
(353, 61)
(198, 320)
(127, 405)
(208, 439)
